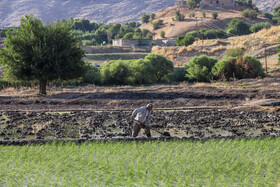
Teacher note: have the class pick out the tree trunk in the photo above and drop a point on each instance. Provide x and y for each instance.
(43, 86)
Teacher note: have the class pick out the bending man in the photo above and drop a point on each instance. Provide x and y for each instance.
(142, 115)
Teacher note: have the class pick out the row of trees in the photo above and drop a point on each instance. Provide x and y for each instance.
(235, 27)
(92, 33)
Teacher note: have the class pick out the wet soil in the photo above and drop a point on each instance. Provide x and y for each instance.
(196, 123)
(246, 108)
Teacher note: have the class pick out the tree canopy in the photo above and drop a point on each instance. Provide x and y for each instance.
(35, 51)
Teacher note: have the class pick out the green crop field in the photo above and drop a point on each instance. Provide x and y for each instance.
(239, 162)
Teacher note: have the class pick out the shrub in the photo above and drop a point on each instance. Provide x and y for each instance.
(157, 24)
(179, 75)
(279, 53)
(225, 68)
(185, 40)
(145, 18)
(203, 13)
(162, 34)
(235, 52)
(267, 15)
(210, 34)
(142, 72)
(259, 26)
(199, 68)
(179, 16)
(239, 68)
(191, 14)
(248, 13)
(116, 73)
(238, 27)
(93, 75)
(128, 35)
(152, 16)
(215, 15)
(162, 65)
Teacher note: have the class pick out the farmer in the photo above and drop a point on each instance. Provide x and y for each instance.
(142, 115)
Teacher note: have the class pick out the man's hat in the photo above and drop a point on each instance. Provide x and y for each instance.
(149, 105)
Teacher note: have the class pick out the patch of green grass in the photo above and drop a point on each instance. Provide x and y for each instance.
(239, 162)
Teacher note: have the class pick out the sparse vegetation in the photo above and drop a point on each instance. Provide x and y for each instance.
(191, 14)
(276, 15)
(152, 16)
(235, 52)
(249, 13)
(259, 26)
(203, 13)
(193, 3)
(268, 15)
(157, 24)
(215, 15)
(162, 34)
(179, 16)
(145, 18)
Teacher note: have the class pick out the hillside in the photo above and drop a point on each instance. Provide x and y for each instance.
(104, 11)
(174, 28)
(253, 44)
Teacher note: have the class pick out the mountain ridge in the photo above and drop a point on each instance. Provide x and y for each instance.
(101, 11)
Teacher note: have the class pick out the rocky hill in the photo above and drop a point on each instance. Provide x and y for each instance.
(105, 11)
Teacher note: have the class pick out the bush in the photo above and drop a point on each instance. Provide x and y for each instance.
(116, 73)
(162, 65)
(179, 75)
(238, 27)
(157, 24)
(128, 35)
(199, 68)
(185, 40)
(152, 16)
(93, 75)
(238, 68)
(162, 34)
(203, 13)
(210, 34)
(142, 72)
(191, 14)
(259, 26)
(145, 18)
(248, 13)
(179, 16)
(267, 15)
(235, 52)
(215, 15)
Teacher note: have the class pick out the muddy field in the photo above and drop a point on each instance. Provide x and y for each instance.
(197, 123)
(247, 108)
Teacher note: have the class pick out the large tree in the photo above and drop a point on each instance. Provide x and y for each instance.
(41, 52)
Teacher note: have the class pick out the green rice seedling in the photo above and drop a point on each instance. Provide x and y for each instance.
(238, 162)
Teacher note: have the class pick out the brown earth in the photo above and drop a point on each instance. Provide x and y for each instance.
(244, 108)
